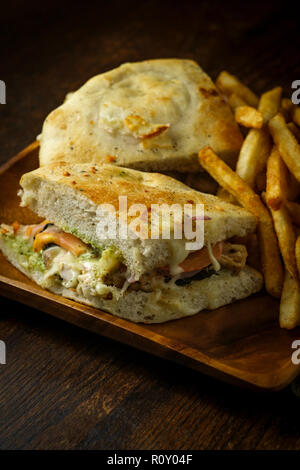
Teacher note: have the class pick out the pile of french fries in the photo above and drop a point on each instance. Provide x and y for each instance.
(266, 181)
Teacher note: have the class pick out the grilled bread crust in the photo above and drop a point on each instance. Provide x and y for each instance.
(153, 115)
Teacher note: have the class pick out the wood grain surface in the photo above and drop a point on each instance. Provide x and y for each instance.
(240, 343)
(63, 387)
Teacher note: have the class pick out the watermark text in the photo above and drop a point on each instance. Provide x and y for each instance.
(2, 352)
(159, 221)
(2, 92)
(296, 354)
(296, 94)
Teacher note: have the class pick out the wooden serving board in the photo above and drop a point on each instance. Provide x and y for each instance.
(240, 343)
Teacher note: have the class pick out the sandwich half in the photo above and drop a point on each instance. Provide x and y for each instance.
(153, 115)
(139, 278)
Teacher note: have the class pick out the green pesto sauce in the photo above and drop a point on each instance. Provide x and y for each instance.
(26, 257)
(97, 249)
(33, 261)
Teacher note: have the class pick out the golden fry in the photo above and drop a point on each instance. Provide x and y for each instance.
(226, 196)
(229, 180)
(290, 111)
(248, 116)
(270, 256)
(286, 108)
(296, 115)
(286, 239)
(289, 316)
(269, 103)
(287, 144)
(277, 180)
(253, 155)
(229, 84)
(295, 130)
(257, 145)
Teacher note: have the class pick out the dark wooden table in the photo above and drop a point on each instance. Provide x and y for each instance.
(64, 388)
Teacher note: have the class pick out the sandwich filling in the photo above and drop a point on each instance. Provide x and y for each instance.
(62, 259)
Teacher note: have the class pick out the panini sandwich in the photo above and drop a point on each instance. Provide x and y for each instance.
(140, 279)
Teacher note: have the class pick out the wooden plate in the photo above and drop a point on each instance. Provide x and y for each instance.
(240, 343)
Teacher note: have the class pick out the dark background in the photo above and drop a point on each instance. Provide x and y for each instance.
(64, 388)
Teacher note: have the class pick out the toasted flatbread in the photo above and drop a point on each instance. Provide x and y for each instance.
(143, 280)
(154, 115)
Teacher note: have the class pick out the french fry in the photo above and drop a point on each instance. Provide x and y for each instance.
(289, 316)
(253, 155)
(286, 239)
(257, 145)
(286, 108)
(248, 116)
(226, 196)
(235, 101)
(295, 130)
(290, 111)
(277, 180)
(270, 257)
(229, 84)
(287, 144)
(232, 182)
(294, 211)
(269, 103)
(296, 115)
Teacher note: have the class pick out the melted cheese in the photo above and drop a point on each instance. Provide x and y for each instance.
(86, 269)
(214, 261)
(178, 254)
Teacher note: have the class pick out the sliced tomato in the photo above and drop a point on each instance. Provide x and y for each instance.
(200, 259)
(65, 240)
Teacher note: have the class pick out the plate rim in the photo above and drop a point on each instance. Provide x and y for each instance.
(194, 358)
